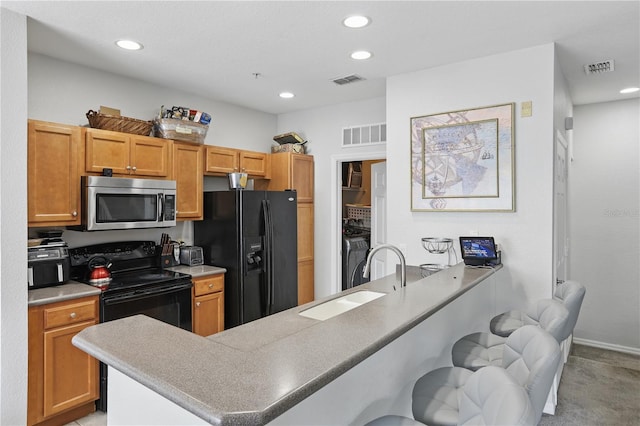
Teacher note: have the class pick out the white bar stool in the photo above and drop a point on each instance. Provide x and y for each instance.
(531, 356)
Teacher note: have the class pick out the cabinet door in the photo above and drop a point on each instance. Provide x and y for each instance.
(70, 375)
(105, 149)
(305, 231)
(53, 184)
(187, 172)
(149, 156)
(208, 314)
(305, 282)
(221, 161)
(302, 176)
(256, 164)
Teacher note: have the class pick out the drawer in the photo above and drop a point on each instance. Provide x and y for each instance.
(206, 285)
(70, 313)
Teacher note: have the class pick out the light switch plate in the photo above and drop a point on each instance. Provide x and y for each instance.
(526, 109)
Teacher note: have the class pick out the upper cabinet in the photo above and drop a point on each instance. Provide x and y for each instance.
(293, 171)
(59, 154)
(220, 161)
(186, 170)
(126, 154)
(53, 186)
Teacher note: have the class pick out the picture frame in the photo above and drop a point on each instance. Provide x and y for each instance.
(464, 161)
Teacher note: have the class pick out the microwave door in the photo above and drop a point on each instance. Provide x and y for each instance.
(103, 210)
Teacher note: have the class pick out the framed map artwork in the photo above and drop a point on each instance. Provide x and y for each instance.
(464, 160)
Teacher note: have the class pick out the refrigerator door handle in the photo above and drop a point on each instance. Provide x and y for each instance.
(268, 254)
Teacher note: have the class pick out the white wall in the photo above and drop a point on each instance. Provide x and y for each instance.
(604, 204)
(63, 92)
(526, 234)
(322, 127)
(13, 218)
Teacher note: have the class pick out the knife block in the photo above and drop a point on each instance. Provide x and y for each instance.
(167, 260)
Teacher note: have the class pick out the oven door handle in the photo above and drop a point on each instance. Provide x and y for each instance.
(148, 292)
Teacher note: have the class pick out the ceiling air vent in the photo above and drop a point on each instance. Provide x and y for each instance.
(348, 79)
(599, 67)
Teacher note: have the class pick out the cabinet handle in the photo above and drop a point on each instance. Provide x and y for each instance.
(211, 285)
(72, 315)
(128, 167)
(197, 304)
(134, 168)
(74, 213)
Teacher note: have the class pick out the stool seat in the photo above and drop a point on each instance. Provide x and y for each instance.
(490, 396)
(478, 350)
(530, 357)
(549, 314)
(436, 395)
(393, 420)
(508, 322)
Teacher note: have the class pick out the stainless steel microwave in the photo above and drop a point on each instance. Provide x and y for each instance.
(123, 203)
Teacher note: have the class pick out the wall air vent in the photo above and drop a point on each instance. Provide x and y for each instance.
(364, 135)
(347, 80)
(599, 67)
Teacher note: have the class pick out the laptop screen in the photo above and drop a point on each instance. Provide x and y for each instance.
(477, 250)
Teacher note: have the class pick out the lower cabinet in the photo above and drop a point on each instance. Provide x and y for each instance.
(62, 379)
(208, 304)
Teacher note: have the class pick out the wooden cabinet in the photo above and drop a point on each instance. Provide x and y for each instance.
(220, 161)
(53, 186)
(296, 171)
(126, 154)
(186, 170)
(208, 304)
(293, 171)
(62, 379)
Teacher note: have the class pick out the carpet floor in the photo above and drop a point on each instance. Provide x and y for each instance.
(598, 388)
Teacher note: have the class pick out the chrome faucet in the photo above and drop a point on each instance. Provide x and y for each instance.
(403, 265)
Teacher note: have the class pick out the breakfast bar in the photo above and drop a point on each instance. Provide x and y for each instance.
(289, 368)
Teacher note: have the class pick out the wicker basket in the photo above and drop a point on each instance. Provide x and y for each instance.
(118, 123)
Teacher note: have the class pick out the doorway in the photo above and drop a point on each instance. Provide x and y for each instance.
(351, 204)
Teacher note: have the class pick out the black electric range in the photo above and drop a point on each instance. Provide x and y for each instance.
(138, 285)
(134, 266)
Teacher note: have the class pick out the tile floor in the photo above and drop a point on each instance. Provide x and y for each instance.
(99, 418)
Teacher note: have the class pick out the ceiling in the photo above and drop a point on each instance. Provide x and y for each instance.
(216, 48)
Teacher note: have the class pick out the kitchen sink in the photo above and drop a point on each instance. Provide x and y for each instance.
(341, 304)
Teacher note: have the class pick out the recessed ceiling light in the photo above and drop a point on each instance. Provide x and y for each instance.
(361, 55)
(129, 45)
(630, 90)
(286, 95)
(356, 21)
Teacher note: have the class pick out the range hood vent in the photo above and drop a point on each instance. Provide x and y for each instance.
(347, 80)
(599, 67)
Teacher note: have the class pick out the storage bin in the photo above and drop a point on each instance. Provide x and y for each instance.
(288, 147)
(181, 130)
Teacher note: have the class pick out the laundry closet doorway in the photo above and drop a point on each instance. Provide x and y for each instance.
(353, 220)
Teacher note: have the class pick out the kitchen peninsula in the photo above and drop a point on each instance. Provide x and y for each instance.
(289, 369)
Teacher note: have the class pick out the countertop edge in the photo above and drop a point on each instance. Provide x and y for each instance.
(299, 394)
(208, 413)
(60, 293)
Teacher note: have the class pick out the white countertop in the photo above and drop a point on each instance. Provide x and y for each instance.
(59, 293)
(198, 271)
(253, 373)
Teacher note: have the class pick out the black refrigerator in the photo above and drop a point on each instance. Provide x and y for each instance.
(253, 234)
